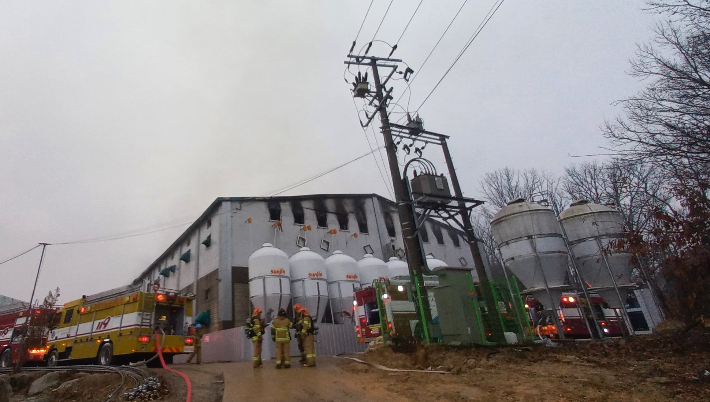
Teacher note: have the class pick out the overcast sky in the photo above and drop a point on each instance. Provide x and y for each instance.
(128, 116)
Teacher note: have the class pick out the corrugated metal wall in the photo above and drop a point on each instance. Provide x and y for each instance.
(231, 345)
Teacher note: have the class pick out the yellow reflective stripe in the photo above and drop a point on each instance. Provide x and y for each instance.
(282, 339)
(256, 357)
(313, 355)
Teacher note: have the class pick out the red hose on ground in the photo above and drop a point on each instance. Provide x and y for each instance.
(162, 361)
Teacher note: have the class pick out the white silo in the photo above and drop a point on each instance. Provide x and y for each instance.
(343, 278)
(309, 286)
(533, 249)
(269, 280)
(591, 230)
(398, 269)
(371, 268)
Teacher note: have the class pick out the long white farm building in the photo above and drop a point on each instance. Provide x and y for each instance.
(210, 258)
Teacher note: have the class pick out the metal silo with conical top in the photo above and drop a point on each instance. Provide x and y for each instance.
(342, 279)
(269, 280)
(533, 249)
(309, 286)
(592, 230)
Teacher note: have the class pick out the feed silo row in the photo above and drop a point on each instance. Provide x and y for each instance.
(371, 268)
(532, 247)
(269, 280)
(342, 276)
(309, 286)
(591, 230)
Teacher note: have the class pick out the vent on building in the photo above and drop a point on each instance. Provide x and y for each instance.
(455, 238)
(368, 249)
(301, 242)
(325, 245)
(463, 262)
(438, 233)
(274, 211)
(389, 224)
(299, 217)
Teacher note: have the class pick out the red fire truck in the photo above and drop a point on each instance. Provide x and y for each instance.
(13, 331)
(570, 318)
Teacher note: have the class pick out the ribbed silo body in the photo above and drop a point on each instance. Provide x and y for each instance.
(343, 278)
(269, 280)
(371, 268)
(309, 286)
(533, 249)
(591, 228)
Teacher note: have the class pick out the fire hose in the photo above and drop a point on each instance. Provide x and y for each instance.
(381, 367)
(185, 377)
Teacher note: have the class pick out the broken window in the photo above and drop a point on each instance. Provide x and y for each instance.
(423, 233)
(438, 233)
(274, 211)
(361, 217)
(299, 217)
(389, 224)
(321, 213)
(455, 238)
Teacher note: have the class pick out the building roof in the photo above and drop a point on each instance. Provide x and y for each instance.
(218, 201)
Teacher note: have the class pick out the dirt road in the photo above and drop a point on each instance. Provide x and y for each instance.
(609, 372)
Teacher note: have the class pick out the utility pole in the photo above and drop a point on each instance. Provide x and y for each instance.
(414, 252)
(29, 312)
(496, 326)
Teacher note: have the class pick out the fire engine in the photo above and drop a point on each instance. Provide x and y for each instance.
(571, 320)
(389, 303)
(13, 331)
(119, 324)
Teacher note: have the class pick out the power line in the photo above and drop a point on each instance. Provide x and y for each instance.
(363, 21)
(482, 25)
(383, 20)
(410, 21)
(102, 239)
(20, 255)
(431, 52)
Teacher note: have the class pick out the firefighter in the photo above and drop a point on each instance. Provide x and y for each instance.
(281, 335)
(308, 338)
(198, 345)
(298, 325)
(256, 327)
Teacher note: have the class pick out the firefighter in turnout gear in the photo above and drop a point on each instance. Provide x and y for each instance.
(199, 331)
(256, 330)
(308, 338)
(298, 326)
(281, 335)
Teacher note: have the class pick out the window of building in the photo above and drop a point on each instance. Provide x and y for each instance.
(423, 233)
(209, 222)
(343, 221)
(322, 218)
(299, 217)
(438, 233)
(361, 220)
(187, 243)
(207, 293)
(274, 211)
(455, 238)
(389, 224)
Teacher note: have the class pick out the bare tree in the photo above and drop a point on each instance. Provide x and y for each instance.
(637, 190)
(505, 185)
(668, 123)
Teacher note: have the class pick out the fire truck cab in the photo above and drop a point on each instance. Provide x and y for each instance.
(13, 332)
(120, 325)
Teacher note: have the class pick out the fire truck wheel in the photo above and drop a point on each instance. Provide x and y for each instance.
(105, 354)
(53, 359)
(6, 358)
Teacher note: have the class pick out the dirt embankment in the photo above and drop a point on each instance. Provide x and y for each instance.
(642, 369)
